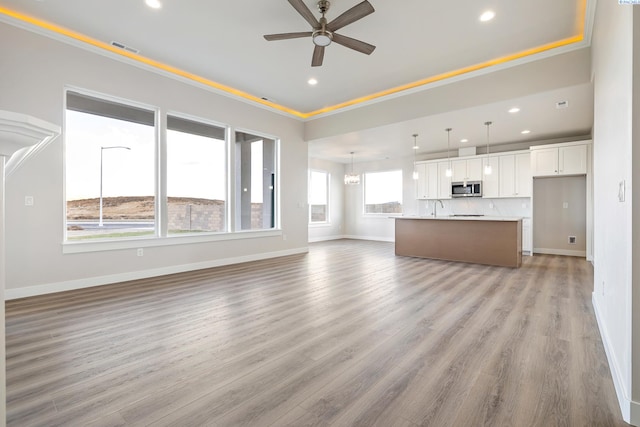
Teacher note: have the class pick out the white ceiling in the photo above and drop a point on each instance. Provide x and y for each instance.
(416, 39)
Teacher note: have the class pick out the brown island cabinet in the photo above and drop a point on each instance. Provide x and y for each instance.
(479, 240)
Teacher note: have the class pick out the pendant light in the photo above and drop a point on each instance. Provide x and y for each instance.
(415, 148)
(487, 167)
(351, 178)
(448, 172)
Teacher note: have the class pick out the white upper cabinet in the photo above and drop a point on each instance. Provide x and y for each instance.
(421, 183)
(427, 184)
(490, 183)
(544, 162)
(515, 175)
(523, 177)
(444, 181)
(467, 170)
(570, 159)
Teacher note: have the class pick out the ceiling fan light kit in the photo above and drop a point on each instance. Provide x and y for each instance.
(324, 33)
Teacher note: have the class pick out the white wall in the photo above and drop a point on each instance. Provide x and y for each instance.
(377, 227)
(334, 229)
(612, 53)
(34, 71)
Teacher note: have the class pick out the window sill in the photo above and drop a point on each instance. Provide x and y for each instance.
(147, 242)
(381, 215)
(319, 224)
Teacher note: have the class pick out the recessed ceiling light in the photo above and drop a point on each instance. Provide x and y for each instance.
(464, 140)
(514, 110)
(487, 16)
(153, 4)
(312, 81)
(526, 131)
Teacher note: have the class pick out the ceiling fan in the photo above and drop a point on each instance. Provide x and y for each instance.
(324, 33)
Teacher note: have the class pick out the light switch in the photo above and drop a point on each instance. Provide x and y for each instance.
(28, 200)
(565, 205)
(621, 191)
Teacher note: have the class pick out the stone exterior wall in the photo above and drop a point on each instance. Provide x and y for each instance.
(196, 217)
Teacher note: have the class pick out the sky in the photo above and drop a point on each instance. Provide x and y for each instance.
(383, 187)
(196, 165)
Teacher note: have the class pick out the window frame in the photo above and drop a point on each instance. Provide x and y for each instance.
(156, 126)
(364, 194)
(165, 174)
(328, 201)
(235, 191)
(160, 237)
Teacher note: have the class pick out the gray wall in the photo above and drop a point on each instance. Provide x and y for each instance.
(560, 211)
(35, 69)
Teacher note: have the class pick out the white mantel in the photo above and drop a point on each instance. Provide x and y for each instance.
(21, 136)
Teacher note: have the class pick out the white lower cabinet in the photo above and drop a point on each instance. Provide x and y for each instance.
(527, 238)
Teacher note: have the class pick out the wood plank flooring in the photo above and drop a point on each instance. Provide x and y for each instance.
(346, 335)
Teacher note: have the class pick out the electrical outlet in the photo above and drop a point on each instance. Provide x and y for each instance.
(28, 200)
(140, 252)
(572, 240)
(284, 237)
(565, 205)
(490, 205)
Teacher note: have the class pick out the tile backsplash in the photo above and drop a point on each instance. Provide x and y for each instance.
(478, 206)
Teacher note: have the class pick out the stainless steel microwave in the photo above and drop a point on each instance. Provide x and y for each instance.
(466, 189)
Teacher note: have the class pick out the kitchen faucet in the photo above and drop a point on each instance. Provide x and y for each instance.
(435, 207)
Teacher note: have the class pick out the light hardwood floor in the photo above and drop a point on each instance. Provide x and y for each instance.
(347, 335)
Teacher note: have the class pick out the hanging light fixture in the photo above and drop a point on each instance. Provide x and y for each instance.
(448, 172)
(487, 167)
(351, 178)
(415, 148)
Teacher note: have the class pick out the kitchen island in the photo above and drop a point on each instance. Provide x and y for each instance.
(475, 239)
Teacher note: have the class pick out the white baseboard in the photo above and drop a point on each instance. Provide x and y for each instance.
(49, 288)
(548, 251)
(630, 409)
(374, 238)
(326, 238)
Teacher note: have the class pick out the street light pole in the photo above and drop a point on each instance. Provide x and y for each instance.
(100, 224)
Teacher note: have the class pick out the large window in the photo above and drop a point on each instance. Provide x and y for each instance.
(196, 177)
(318, 197)
(110, 169)
(383, 192)
(255, 182)
(126, 167)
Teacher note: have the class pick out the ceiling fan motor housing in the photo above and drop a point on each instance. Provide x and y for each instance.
(323, 6)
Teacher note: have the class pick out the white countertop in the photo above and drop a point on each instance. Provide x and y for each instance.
(463, 218)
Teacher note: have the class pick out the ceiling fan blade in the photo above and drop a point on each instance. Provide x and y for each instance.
(318, 56)
(358, 11)
(354, 44)
(303, 10)
(285, 36)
